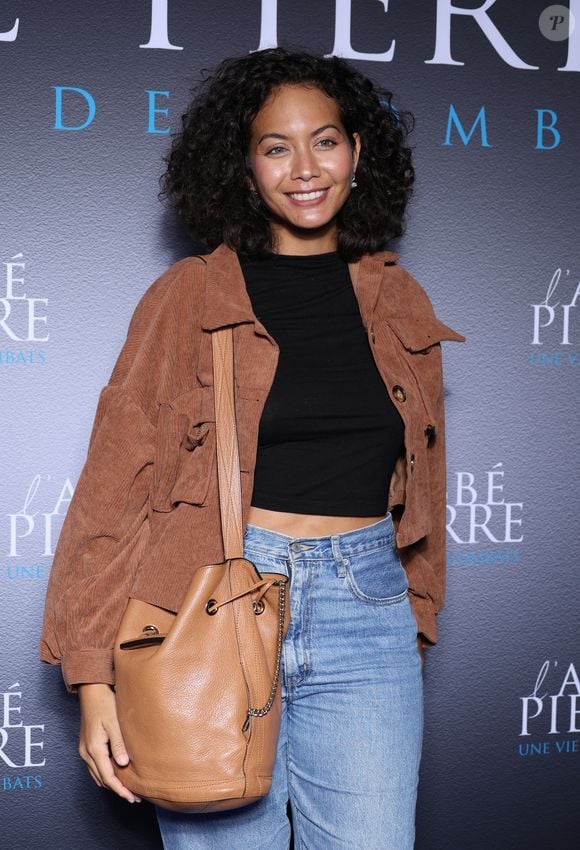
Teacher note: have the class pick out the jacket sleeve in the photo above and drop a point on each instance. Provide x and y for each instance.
(426, 559)
(103, 533)
(106, 526)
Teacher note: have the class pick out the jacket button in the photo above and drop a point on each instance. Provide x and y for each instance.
(399, 393)
(373, 337)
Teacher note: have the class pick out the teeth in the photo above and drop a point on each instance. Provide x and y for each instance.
(307, 196)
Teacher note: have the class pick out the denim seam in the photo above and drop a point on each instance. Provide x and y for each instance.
(307, 632)
(293, 801)
(264, 556)
(374, 600)
(345, 551)
(296, 679)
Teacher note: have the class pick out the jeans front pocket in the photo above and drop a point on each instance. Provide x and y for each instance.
(377, 576)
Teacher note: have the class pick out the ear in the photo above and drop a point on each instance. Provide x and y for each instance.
(356, 150)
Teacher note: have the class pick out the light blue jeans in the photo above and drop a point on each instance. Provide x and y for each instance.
(352, 704)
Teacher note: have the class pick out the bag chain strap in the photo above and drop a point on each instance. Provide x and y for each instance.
(260, 712)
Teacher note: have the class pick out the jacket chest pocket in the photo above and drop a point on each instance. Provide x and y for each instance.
(421, 338)
(185, 449)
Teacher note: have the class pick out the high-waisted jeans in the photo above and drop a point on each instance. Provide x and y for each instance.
(352, 704)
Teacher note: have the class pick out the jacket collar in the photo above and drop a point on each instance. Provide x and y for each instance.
(226, 301)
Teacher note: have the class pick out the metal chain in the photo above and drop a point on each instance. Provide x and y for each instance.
(260, 712)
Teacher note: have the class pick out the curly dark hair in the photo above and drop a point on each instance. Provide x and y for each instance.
(207, 178)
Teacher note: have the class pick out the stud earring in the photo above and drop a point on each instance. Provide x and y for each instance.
(353, 184)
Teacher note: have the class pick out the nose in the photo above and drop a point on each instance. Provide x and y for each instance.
(305, 165)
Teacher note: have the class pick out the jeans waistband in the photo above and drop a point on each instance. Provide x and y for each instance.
(277, 545)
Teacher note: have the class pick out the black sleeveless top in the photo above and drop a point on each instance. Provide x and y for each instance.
(329, 435)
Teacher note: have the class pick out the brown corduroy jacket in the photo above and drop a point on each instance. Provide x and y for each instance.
(145, 511)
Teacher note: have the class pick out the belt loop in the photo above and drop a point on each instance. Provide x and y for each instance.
(339, 560)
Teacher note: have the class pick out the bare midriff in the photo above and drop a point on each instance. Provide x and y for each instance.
(306, 525)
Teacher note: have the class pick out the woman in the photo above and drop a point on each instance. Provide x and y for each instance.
(294, 170)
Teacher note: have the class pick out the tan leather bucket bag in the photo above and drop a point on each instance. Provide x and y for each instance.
(197, 692)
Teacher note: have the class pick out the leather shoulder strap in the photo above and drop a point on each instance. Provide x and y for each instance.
(228, 460)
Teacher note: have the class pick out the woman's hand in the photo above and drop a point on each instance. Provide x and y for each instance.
(99, 728)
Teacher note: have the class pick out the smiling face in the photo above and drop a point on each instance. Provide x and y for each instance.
(302, 161)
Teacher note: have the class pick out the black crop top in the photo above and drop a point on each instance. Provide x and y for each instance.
(329, 434)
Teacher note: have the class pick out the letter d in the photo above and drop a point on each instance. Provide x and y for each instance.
(58, 124)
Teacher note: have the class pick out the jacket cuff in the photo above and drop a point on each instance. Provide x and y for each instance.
(87, 666)
(424, 613)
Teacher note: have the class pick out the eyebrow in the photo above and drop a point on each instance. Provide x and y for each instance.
(281, 136)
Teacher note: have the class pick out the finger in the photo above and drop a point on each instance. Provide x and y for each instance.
(110, 780)
(117, 785)
(95, 775)
(88, 760)
(118, 749)
(99, 752)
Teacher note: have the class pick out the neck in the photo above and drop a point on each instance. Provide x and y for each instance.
(304, 242)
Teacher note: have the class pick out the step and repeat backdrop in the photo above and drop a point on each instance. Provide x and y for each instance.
(89, 97)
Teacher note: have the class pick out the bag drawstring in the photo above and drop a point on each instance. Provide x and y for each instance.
(265, 584)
